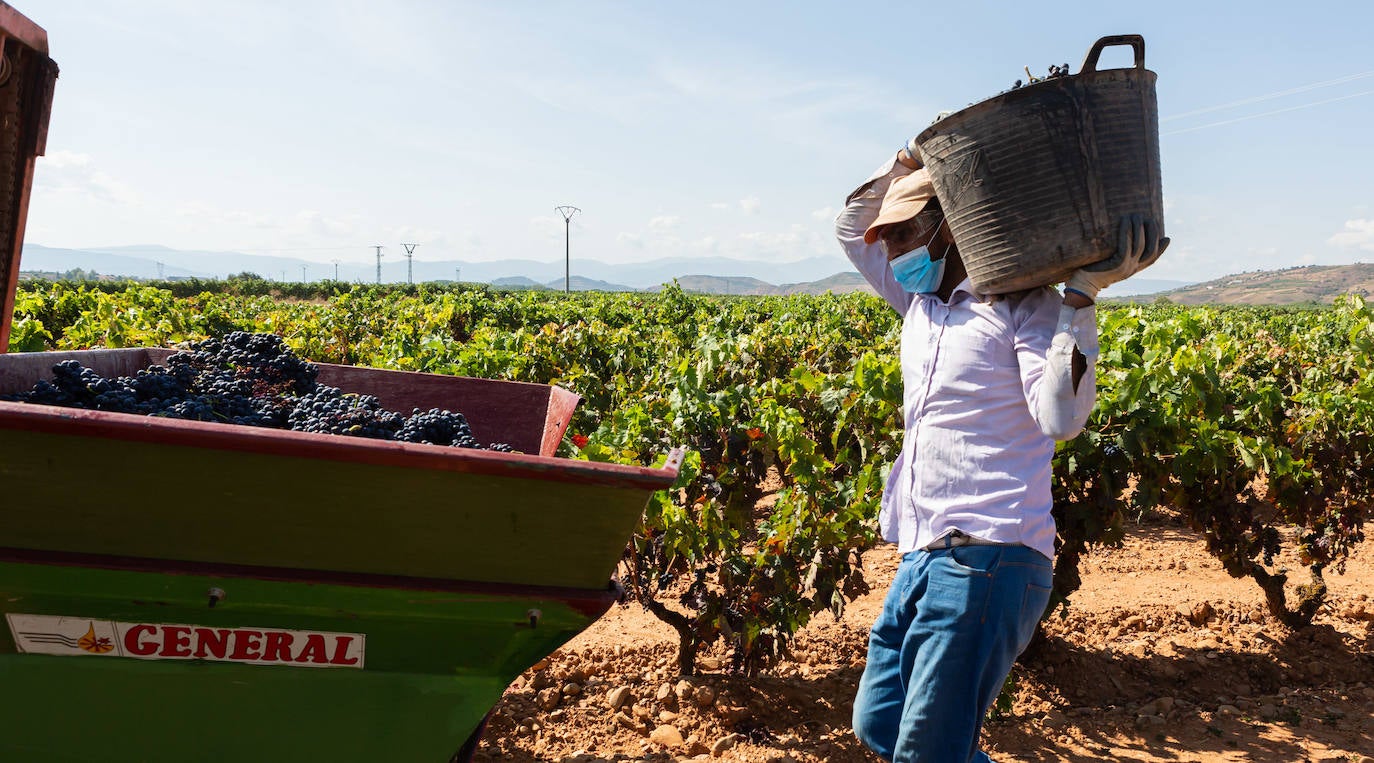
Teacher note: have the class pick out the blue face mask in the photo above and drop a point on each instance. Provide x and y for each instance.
(916, 272)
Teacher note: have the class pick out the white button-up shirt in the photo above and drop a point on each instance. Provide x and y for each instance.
(988, 390)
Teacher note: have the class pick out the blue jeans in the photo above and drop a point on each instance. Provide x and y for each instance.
(952, 625)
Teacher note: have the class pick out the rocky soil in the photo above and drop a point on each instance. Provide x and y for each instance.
(1160, 657)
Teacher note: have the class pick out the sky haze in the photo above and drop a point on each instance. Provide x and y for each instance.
(318, 130)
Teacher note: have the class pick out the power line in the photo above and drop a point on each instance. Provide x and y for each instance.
(1270, 113)
(241, 249)
(280, 248)
(1269, 96)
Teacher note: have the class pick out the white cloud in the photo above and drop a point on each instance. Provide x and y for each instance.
(318, 224)
(721, 205)
(63, 159)
(781, 244)
(1357, 234)
(202, 213)
(664, 222)
(550, 227)
(824, 213)
(773, 239)
(802, 110)
(431, 244)
(74, 173)
(750, 205)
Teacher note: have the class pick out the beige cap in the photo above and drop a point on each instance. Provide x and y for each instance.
(905, 199)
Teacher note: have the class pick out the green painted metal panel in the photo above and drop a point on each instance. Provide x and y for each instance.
(106, 496)
(65, 710)
(436, 662)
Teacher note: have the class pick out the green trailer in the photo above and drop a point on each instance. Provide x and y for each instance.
(176, 590)
(180, 590)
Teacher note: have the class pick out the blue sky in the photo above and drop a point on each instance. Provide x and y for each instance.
(320, 129)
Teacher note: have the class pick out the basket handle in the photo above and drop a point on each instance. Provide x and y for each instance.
(1134, 40)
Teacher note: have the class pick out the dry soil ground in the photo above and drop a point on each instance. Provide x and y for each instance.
(1162, 657)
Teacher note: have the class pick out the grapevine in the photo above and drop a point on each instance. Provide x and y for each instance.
(1252, 424)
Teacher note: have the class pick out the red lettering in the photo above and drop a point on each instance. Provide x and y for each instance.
(176, 641)
(278, 647)
(246, 645)
(340, 652)
(314, 650)
(214, 643)
(132, 643)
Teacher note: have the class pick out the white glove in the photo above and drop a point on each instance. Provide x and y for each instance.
(911, 152)
(1138, 245)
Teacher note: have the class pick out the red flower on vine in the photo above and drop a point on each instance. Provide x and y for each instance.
(580, 440)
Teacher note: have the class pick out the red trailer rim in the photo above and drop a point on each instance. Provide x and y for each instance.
(284, 443)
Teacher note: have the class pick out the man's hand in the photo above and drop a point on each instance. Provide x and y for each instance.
(1138, 245)
(909, 156)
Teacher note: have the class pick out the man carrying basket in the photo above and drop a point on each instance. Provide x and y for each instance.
(990, 384)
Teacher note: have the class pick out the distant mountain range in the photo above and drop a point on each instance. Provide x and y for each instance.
(815, 275)
(718, 275)
(1314, 284)
(152, 261)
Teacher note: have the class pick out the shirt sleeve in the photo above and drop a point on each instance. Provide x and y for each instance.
(1045, 341)
(860, 210)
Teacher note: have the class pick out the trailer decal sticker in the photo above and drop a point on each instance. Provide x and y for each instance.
(93, 643)
(80, 636)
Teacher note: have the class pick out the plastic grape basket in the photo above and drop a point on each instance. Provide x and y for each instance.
(177, 590)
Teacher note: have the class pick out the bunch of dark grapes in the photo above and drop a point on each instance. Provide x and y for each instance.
(65, 389)
(438, 427)
(248, 379)
(75, 386)
(330, 410)
(191, 409)
(262, 361)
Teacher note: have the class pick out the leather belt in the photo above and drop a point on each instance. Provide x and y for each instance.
(960, 538)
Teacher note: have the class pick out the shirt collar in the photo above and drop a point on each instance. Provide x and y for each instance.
(965, 286)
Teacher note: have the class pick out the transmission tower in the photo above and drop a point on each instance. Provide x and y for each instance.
(336, 270)
(379, 263)
(410, 253)
(567, 213)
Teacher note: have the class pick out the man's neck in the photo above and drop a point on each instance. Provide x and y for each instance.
(955, 273)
